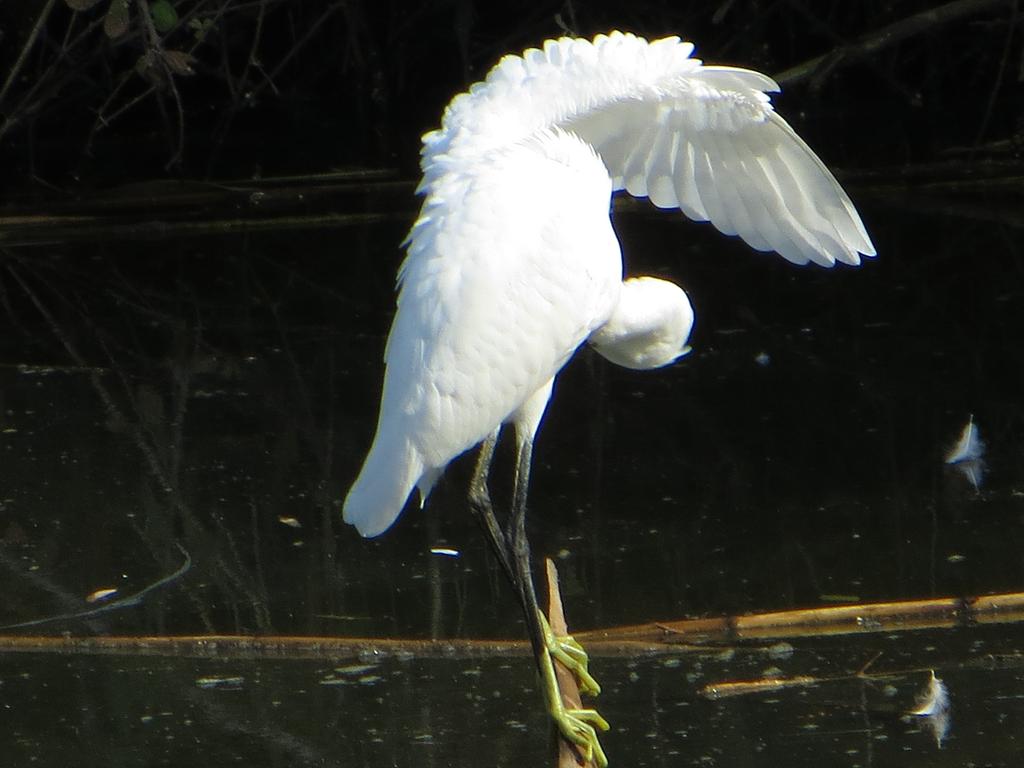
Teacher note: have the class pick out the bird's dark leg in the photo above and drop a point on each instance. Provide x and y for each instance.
(521, 547)
(480, 503)
(566, 650)
(577, 725)
(513, 552)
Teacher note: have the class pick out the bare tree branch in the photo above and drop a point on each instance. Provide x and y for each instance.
(886, 37)
(16, 69)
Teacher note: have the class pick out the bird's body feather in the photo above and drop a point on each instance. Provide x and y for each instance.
(513, 263)
(489, 310)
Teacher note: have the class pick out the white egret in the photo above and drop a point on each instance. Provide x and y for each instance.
(513, 262)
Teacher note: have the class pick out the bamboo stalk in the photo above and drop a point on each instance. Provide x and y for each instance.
(862, 618)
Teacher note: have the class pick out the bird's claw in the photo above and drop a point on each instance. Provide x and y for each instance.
(580, 726)
(570, 654)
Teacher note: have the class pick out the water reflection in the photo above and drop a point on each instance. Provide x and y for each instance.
(404, 711)
(218, 394)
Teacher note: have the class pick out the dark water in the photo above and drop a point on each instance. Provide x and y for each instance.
(216, 395)
(131, 711)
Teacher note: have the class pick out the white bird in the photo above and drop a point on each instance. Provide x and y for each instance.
(513, 262)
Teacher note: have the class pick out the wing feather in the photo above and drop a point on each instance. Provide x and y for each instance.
(685, 183)
(658, 169)
(702, 139)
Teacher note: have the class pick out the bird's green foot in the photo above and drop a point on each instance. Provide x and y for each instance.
(579, 726)
(570, 655)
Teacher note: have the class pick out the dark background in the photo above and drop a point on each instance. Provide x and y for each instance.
(302, 86)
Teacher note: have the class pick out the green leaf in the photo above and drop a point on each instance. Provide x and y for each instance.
(165, 18)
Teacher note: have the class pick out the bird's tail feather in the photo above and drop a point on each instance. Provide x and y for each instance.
(383, 487)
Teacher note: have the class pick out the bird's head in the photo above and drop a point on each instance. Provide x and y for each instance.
(650, 326)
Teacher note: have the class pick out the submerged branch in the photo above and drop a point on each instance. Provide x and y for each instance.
(114, 605)
(645, 639)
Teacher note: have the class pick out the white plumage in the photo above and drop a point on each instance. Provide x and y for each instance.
(513, 262)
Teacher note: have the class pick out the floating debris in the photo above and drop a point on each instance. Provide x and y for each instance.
(445, 551)
(291, 522)
(100, 594)
(334, 681)
(725, 690)
(362, 674)
(966, 456)
(969, 446)
(220, 683)
(781, 650)
(355, 670)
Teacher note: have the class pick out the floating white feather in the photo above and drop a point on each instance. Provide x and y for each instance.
(934, 708)
(969, 446)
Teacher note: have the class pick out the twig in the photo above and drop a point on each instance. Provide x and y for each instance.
(43, 81)
(156, 47)
(310, 33)
(114, 605)
(247, 97)
(772, 683)
(13, 116)
(13, 74)
(103, 122)
(1003, 63)
(257, 38)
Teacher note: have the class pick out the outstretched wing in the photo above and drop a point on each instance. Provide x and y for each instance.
(702, 139)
